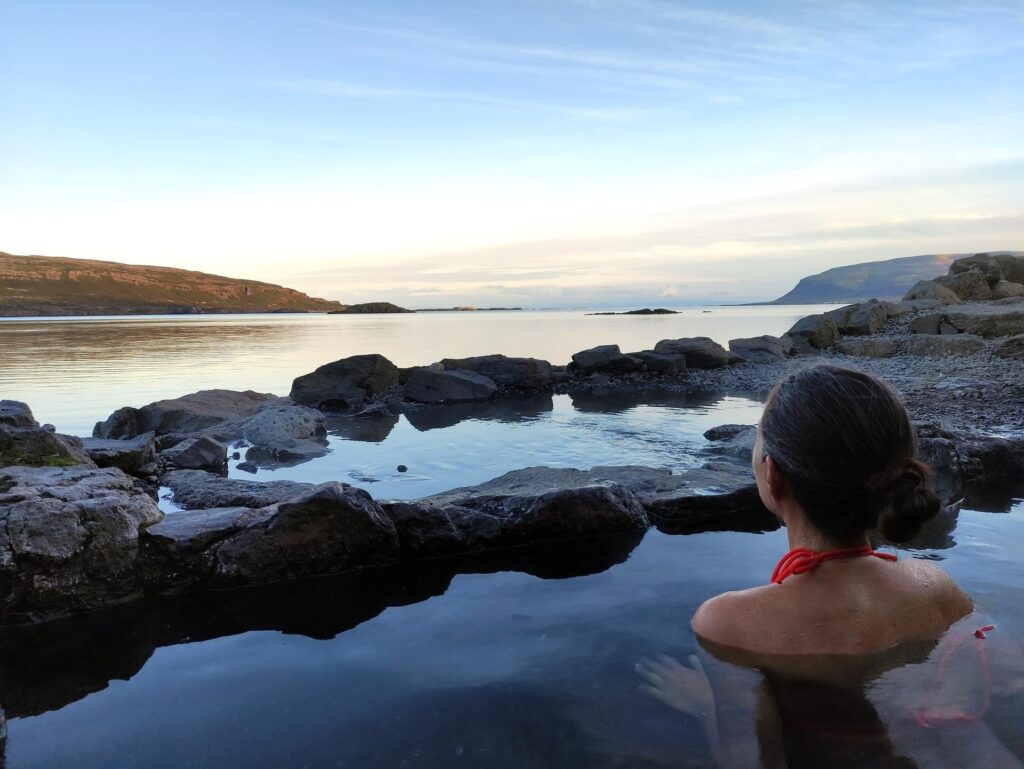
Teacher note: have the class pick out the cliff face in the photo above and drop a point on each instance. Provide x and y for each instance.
(49, 285)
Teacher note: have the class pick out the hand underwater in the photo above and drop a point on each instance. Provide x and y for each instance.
(686, 689)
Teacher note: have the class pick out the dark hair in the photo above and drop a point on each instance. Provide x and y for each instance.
(846, 446)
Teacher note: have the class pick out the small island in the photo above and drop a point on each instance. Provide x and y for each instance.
(369, 308)
(645, 311)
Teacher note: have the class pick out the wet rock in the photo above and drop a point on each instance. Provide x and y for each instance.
(427, 385)
(929, 289)
(16, 414)
(68, 538)
(970, 285)
(194, 489)
(606, 359)
(992, 457)
(660, 363)
(285, 434)
(944, 344)
(188, 414)
(345, 383)
(700, 352)
(943, 458)
(198, 454)
(1012, 348)
(402, 468)
(191, 531)
(332, 528)
(424, 530)
(247, 467)
(815, 330)
(736, 441)
(721, 496)
(539, 504)
(132, 455)
(861, 319)
(758, 349)
(524, 373)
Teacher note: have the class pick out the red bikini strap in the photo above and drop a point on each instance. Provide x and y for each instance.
(801, 559)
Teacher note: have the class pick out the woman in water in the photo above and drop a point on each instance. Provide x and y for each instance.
(835, 460)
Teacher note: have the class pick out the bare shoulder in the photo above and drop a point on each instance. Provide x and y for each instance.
(929, 578)
(728, 618)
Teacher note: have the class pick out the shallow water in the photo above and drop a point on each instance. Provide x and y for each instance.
(504, 669)
(460, 445)
(75, 372)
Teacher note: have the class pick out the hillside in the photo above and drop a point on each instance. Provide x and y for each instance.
(50, 285)
(887, 279)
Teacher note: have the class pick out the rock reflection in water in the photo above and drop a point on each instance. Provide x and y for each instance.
(507, 410)
(46, 666)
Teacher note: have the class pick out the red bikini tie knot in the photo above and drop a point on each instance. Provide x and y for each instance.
(800, 560)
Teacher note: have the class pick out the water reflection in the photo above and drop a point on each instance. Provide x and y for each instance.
(43, 667)
(507, 410)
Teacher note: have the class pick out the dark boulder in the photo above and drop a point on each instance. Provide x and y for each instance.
(930, 290)
(861, 319)
(190, 413)
(430, 385)
(332, 528)
(194, 489)
(815, 330)
(605, 359)
(539, 504)
(660, 363)
(523, 373)
(970, 285)
(700, 352)
(38, 446)
(759, 349)
(129, 454)
(345, 383)
(197, 454)
(68, 539)
(16, 414)
(424, 530)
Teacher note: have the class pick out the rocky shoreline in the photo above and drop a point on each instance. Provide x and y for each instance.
(81, 529)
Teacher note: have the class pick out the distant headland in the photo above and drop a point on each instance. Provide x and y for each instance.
(34, 286)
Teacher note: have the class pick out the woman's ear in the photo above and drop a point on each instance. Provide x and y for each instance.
(774, 479)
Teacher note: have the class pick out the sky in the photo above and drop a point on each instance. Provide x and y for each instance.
(539, 153)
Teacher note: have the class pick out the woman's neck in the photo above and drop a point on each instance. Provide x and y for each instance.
(802, 534)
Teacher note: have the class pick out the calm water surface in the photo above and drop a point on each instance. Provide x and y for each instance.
(519, 660)
(75, 372)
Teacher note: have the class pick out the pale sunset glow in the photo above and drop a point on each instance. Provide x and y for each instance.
(548, 153)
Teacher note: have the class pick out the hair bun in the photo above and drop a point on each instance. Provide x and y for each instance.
(906, 503)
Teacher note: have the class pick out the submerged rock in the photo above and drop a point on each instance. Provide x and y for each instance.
(68, 538)
(346, 383)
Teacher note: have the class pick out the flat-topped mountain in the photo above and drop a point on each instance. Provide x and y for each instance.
(888, 279)
(51, 285)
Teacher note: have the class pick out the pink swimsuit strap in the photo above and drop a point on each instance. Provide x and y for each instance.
(800, 560)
